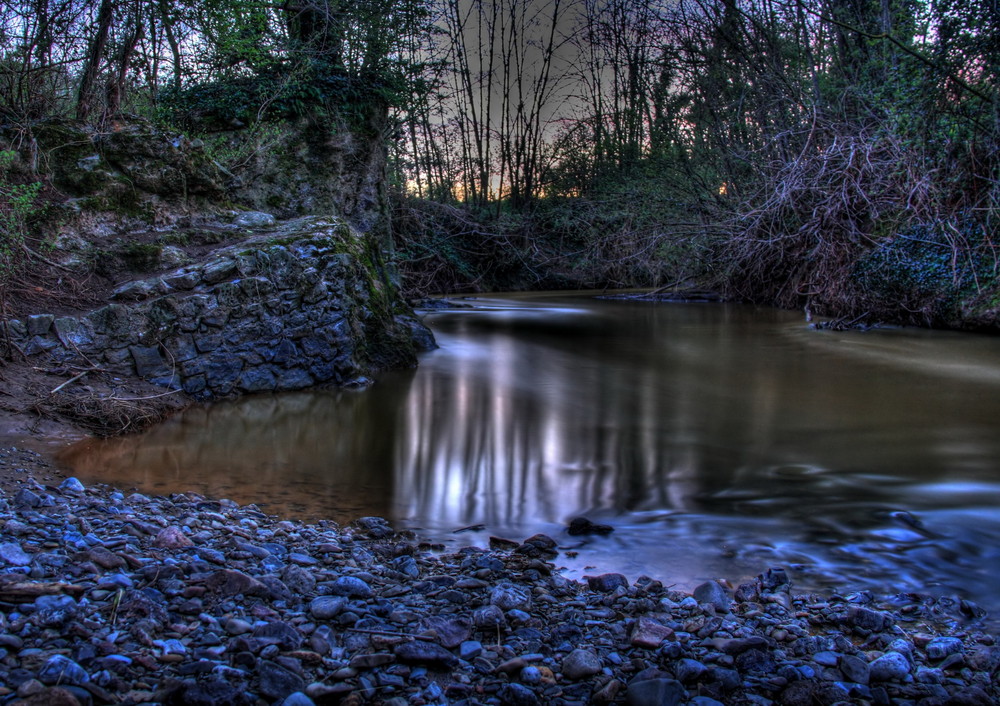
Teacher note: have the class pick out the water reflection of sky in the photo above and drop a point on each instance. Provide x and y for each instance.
(717, 439)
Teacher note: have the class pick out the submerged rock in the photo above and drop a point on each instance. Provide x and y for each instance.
(582, 526)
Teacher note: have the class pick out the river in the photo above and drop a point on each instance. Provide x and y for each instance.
(717, 440)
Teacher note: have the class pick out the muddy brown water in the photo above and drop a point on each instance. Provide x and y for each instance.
(717, 439)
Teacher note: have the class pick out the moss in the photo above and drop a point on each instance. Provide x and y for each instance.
(142, 257)
(276, 201)
(179, 238)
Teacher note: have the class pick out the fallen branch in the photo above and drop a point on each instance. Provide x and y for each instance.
(70, 381)
(44, 259)
(387, 633)
(26, 592)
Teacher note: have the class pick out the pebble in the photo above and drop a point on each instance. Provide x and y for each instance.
(892, 666)
(59, 669)
(507, 596)
(941, 647)
(649, 633)
(12, 553)
(711, 593)
(580, 664)
(351, 586)
(189, 600)
(428, 654)
(655, 692)
(606, 583)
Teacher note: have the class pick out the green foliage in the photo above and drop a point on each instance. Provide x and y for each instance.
(19, 204)
(929, 270)
(281, 96)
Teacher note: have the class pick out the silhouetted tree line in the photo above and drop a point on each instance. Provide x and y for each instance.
(769, 143)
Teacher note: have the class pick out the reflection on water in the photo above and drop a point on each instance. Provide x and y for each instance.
(717, 439)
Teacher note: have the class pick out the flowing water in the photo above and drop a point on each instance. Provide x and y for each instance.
(718, 440)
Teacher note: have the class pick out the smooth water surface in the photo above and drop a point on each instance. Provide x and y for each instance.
(717, 439)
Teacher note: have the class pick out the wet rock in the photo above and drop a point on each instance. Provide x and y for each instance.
(941, 647)
(375, 527)
(866, 619)
(72, 485)
(606, 583)
(711, 593)
(580, 664)
(539, 546)
(773, 579)
(582, 526)
(892, 666)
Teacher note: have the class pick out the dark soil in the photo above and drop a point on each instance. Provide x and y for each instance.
(62, 283)
(44, 399)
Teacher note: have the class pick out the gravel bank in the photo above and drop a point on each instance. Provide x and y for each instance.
(115, 598)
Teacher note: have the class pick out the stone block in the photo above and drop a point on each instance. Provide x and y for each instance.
(113, 321)
(257, 379)
(183, 281)
(194, 384)
(207, 342)
(222, 372)
(149, 362)
(315, 347)
(39, 345)
(39, 324)
(323, 371)
(230, 294)
(182, 348)
(254, 219)
(73, 332)
(218, 270)
(17, 329)
(282, 353)
(294, 379)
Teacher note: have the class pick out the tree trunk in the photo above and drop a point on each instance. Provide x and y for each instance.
(92, 66)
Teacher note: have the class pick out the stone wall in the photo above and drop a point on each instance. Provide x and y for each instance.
(307, 304)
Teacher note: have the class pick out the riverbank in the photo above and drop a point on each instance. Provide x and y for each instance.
(117, 597)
